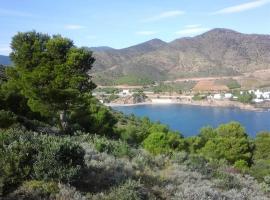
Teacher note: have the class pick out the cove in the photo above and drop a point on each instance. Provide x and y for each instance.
(189, 119)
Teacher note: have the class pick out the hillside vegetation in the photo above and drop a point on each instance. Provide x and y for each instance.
(58, 142)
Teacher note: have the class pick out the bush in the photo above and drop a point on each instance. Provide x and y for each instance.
(200, 164)
(59, 159)
(37, 190)
(241, 165)
(116, 148)
(130, 190)
(230, 143)
(7, 119)
(260, 169)
(262, 146)
(93, 118)
(160, 142)
(18, 152)
(227, 181)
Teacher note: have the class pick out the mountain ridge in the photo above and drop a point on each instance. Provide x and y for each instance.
(5, 60)
(217, 52)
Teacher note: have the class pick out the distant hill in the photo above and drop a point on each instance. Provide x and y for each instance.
(5, 60)
(219, 52)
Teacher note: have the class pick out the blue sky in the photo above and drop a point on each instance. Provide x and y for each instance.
(122, 23)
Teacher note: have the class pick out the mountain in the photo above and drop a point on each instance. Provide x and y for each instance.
(5, 60)
(219, 52)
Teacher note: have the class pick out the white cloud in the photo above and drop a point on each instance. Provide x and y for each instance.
(193, 26)
(165, 15)
(192, 30)
(146, 33)
(74, 27)
(14, 13)
(243, 7)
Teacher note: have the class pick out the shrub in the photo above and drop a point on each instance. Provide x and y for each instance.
(133, 134)
(18, 152)
(262, 146)
(230, 143)
(260, 169)
(241, 165)
(67, 192)
(265, 185)
(160, 142)
(59, 159)
(130, 190)
(94, 118)
(117, 148)
(199, 163)
(7, 119)
(37, 190)
(227, 181)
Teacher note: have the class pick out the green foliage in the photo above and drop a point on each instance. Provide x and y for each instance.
(7, 119)
(262, 146)
(18, 151)
(260, 169)
(232, 129)
(245, 97)
(139, 97)
(198, 163)
(227, 181)
(194, 144)
(39, 189)
(133, 80)
(134, 130)
(241, 165)
(116, 148)
(230, 83)
(130, 190)
(112, 97)
(162, 142)
(93, 117)
(177, 87)
(230, 143)
(198, 97)
(50, 72)
(25, 155)
(59, 159)
(108, 90)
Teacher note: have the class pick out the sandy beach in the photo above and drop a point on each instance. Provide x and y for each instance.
(224, 103)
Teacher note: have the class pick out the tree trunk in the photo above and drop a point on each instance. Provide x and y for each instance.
(63, 120)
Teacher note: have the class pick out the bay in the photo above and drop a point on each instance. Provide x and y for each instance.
(189, 119)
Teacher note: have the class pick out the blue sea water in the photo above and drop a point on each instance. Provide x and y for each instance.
(189, 119)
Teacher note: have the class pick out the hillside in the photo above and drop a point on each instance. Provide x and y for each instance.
(58, 142)
(5, 60)
(219, 52)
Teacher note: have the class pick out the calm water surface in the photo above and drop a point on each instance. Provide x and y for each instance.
(189, 119)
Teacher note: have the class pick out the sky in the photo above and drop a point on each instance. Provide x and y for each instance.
(123, 23)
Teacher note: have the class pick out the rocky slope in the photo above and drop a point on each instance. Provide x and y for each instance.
(217, 52)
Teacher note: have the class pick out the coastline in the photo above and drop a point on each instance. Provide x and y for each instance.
(218, 104)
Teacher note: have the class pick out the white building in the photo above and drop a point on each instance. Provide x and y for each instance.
(258, 100)
(259, 94)
(217, 96)
(228, 96)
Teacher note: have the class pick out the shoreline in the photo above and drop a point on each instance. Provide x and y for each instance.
(217, 104)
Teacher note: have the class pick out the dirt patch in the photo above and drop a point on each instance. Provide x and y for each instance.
(210, 85)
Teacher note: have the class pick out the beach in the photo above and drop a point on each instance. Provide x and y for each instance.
(204, 103)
